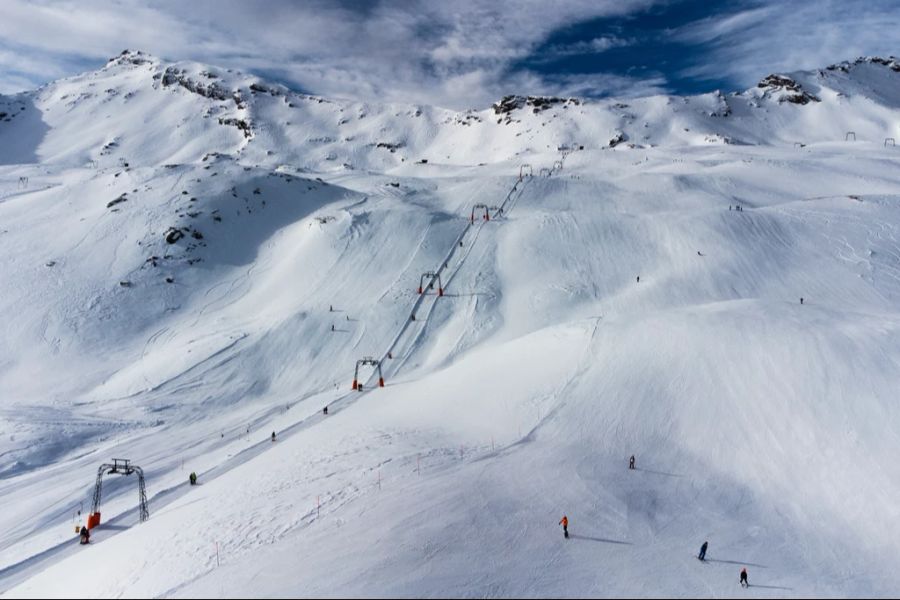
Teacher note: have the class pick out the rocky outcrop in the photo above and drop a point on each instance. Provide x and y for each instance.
(172, 235)
(538, 103)
(130, 57)
(617, 139)
(122, 198)
(891, 62)
(241, 124)
(785, 89)
(176, 76)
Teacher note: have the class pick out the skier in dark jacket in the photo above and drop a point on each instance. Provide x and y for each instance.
(631, 462)
(85, 535)
(744, 582)
(702, 555)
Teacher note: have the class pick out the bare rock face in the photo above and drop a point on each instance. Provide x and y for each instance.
(891, 62)
(508, 104)
(172, 235)
(241, 124)
(786, 89)
(174, 76)
(617, 139)
(122, 198)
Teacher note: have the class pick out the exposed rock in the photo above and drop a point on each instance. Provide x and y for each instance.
(617, 139)
(258, 87)
(787, 90)
(130, 57)
(173, 76)
(241, 124)
(890, 62)
(510, 103)
(390, 146)
(173, 235)
(118, 200)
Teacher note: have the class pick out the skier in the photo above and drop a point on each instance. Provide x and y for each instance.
(801, 299)
(85, 535)
(631, 462)
(273, 436)
(330, 308)
(192, 478)
(702, 555)
(325, 411)
(332, 326)
(638, 278)
(744, 582)
(565, 523)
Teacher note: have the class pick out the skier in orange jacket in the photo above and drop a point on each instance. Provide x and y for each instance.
(565, 523)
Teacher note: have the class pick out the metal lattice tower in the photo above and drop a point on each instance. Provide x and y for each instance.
(487, 216)
(431, 276)
(121, 466)
(367, 360)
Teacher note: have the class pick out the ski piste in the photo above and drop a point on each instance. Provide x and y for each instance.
(512, 396)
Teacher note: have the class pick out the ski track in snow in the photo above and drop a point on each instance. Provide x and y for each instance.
(512, 399)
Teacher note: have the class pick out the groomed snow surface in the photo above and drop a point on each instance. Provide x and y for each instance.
(767, 427)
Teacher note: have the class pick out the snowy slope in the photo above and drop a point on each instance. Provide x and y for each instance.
(174, 235)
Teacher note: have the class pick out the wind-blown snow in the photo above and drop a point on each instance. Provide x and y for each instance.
(762, 425)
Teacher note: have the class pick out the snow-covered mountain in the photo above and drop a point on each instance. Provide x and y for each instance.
(195, 257)
(141, 109)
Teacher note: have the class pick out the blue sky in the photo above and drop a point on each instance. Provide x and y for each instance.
(460, 54)
(642, 44)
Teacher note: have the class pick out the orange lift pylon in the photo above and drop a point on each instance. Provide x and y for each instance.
(487, 215)
(431, 275)
(367, 360)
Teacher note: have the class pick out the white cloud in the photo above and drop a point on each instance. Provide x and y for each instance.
(791, 36)
(598, 45)
(455, 54)
(458, 54)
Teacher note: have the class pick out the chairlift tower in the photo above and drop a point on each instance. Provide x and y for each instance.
(119, 466)
(367, 360)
